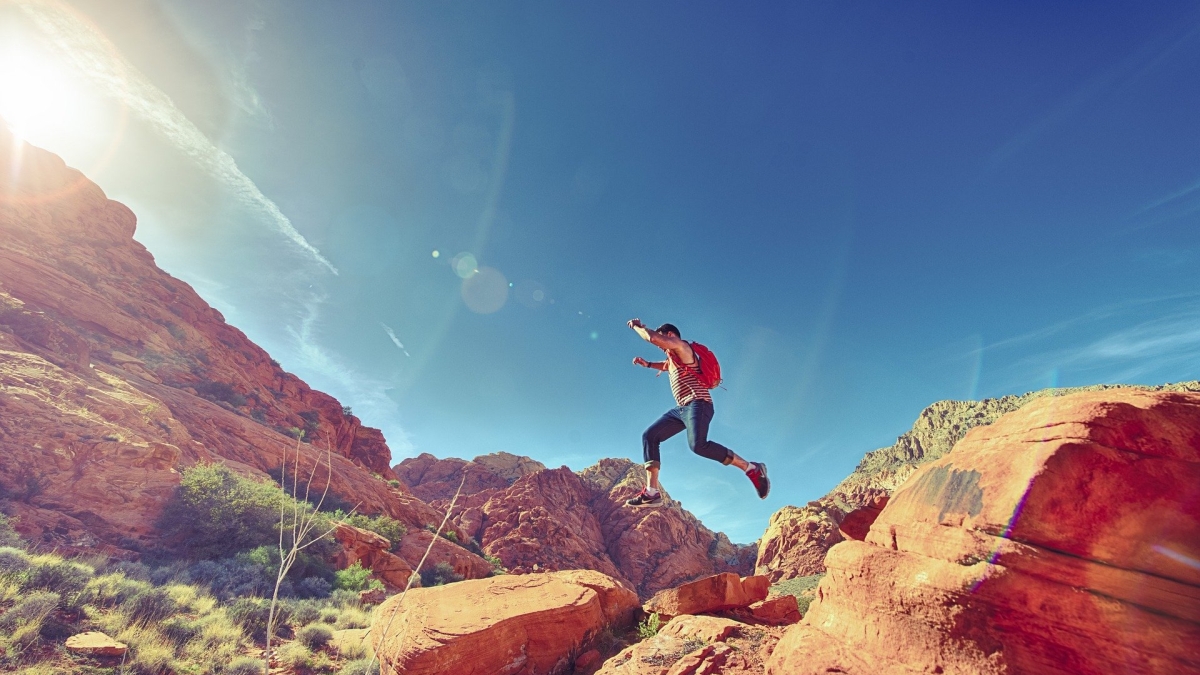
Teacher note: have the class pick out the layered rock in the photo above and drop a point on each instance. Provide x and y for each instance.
(556, 519)
(433, 479)
(710, 594)
(797, 539)
(531, 624)
(1061, 538)
(697, 645)
(114, 376)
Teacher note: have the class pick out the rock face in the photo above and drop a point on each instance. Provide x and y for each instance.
(697, 645)
(555, 519)
(1061, 538)
(114, 376)
(438, 479)
(797, 539)
(530, 624)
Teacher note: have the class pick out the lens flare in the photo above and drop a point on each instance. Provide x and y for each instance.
(485, 291)
(464, 265)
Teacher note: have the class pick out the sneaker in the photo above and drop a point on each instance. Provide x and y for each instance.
(642, 499)
(758, 475)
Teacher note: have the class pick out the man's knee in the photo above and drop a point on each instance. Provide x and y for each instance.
(652, 464)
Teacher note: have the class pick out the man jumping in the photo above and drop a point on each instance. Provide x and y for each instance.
(694, 412)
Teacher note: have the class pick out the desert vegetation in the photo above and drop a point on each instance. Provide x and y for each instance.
(200, 603)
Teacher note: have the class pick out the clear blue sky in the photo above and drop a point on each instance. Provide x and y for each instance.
(861, 208)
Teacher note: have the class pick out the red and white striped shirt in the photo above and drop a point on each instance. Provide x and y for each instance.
(685, 382)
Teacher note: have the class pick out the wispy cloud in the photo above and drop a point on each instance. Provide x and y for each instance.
(327, 371)
(395, 340)
(96, 58)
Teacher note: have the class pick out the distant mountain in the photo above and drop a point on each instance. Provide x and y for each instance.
(797, 538)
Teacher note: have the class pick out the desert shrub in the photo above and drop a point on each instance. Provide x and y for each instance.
(252, 614)
(179, 630)
(649, 627)
(149, 652)
(109, 590)
(295, 656)
(313, 587)
(49, 572)
(32, 608)
(360, 667)
(354, 578)
(131, 570)
(329, 615)
(215, 513)
(13, 560)
(440, 574)
(244, 665)
(383, 525)
(352, 617)
(314, 635)
(393, 483)
(149, 606)
(220, 391)
(218, 641)
(8, 534)
(304, 612)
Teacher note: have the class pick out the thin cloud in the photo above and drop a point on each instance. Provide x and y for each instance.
(368, 395)
(395, 340)
(96, 58)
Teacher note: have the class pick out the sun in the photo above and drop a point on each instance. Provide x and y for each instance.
(39, 98)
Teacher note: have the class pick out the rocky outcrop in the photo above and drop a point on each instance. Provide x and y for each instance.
(710, 594)
(556, 519)
(433, 479)
(95, 643)
(114, 376)
(466, 564)
(532, 624)
(1061, 538)
(797, 539)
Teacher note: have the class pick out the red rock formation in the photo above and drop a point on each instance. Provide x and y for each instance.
(710, 594)
(433, 479)
(697, 645)
(533, 624)
(556, 519)
(797, 539)
(1062, 538)
(114, 376)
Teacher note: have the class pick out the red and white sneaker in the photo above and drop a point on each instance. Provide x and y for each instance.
(758, 475)
(643, 499)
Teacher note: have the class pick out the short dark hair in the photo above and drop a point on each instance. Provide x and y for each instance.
(669, 328)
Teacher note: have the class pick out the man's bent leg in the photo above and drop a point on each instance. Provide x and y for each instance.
(667, 426)
(696, 416)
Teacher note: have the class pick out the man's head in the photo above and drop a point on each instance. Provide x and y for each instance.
(668, 328)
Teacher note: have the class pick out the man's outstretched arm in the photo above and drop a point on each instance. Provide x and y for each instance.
(654, 365)
(660, 340)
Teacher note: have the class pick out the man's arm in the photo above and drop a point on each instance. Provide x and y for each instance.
(660, 340)
(653, 365)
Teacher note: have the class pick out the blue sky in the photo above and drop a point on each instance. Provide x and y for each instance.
(860, 208)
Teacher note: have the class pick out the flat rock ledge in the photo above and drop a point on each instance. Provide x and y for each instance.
(95, 643)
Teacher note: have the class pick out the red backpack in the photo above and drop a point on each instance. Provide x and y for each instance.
(710, 369)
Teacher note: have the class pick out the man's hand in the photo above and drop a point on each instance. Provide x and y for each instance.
(635, 323)
(639, 361)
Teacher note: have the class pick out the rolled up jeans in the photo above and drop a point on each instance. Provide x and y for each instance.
(693, 416)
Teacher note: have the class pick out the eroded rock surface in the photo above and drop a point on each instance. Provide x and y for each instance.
(1061, 538)
(798, 538)
(531, 624)
(710, 594)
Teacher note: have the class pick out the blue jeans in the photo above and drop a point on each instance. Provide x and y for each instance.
(694, 417)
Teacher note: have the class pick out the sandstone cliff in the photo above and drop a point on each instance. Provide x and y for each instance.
(797, 538)
(555, 519)
(114, 376)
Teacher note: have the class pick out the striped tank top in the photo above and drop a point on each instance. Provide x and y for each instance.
(685, 384)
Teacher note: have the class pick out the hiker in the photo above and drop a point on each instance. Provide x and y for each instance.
(693, 412)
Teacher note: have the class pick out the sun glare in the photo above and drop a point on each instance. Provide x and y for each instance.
(38, 96)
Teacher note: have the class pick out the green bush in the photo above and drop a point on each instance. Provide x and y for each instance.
(31, 609)
(295, 656)
(8, 534)
(13, 560)
(355, 578)
(149, 606)
(244, 665)
(55, 574)
(383, 525)
(252, 614)
(438, 575)
(360, 667)
(649, 628)
(304, 612)
(179, 630)
(315, 635)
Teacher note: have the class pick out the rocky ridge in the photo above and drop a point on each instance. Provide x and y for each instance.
(556, 519)
(797, 538)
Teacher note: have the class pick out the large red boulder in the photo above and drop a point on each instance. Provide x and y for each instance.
(1063, 538)
(710, 594)
(532, 624)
